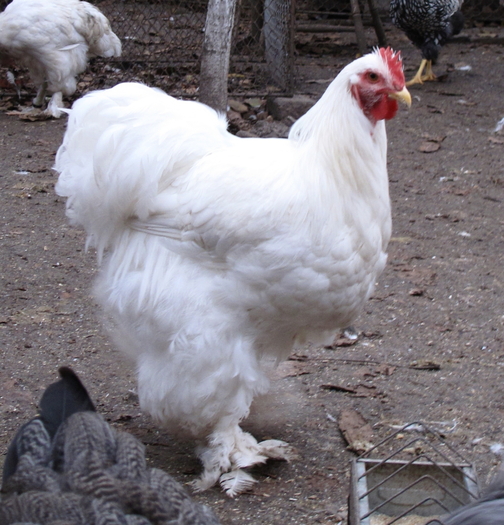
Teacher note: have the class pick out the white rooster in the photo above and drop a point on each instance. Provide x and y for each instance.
(54, 39)
(225, 250)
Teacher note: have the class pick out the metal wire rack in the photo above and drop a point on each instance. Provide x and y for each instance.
(423, 477)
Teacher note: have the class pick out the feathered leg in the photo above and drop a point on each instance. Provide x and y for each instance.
(38, 101)
(55, 105)
(231, 450)
(11, 79)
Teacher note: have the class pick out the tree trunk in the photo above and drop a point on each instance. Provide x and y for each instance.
(216, 52)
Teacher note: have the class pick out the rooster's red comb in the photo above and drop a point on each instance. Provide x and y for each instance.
(393, 60)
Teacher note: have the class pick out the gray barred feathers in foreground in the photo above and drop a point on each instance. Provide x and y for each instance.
(89, 474)
(488, 510)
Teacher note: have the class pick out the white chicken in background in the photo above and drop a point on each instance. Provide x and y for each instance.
(54, 39)
(222, 250)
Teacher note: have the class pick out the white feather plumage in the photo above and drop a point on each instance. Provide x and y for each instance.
(54, 39)
(236, 482)
(222, 250)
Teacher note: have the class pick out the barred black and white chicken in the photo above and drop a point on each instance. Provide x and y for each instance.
(487, 510)
(68, 465)
(54, 39)
(429, 24)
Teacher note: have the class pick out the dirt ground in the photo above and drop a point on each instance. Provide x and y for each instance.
(439, 301)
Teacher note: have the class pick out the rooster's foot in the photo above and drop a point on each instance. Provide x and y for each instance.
(421, 77)
(229, 452)
(54, 108)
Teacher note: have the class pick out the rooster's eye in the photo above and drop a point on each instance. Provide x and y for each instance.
(373, 77)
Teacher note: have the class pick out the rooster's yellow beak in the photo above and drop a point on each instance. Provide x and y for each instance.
(402, 96)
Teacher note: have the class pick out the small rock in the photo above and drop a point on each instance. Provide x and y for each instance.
(237, 106)
(283, 107)
(254, 103)
(429, 147)
(233, 115)
(245, 134)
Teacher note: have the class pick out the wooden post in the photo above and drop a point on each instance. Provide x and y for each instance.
(378, 27)
(359, 27)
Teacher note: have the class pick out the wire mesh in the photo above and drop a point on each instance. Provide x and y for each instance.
(162, 40)
(483, 11)
(162, 43)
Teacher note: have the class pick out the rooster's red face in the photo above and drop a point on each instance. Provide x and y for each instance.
(378, 89)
